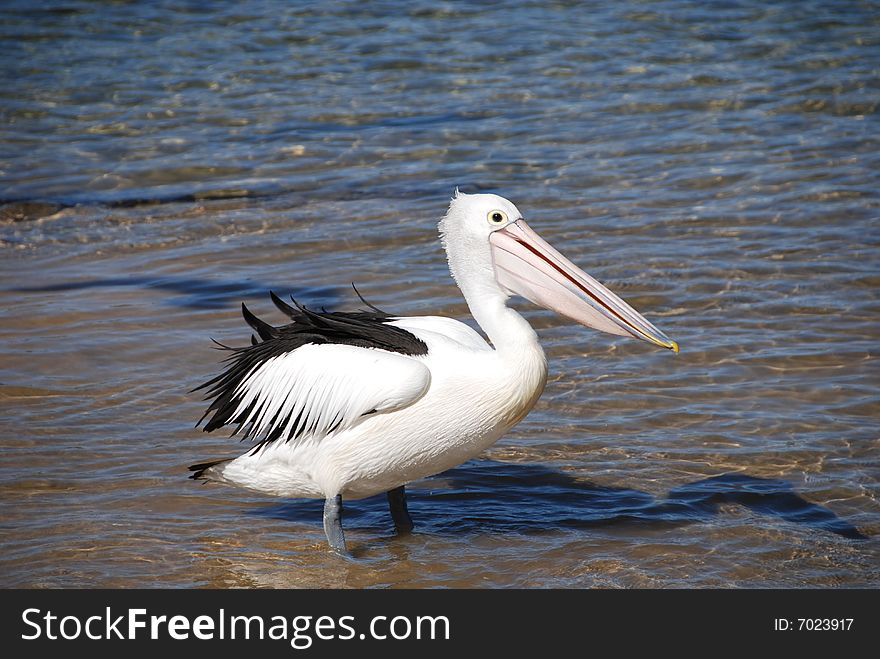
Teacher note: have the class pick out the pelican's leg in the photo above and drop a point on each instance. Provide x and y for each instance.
(333, 524)
(397, 503)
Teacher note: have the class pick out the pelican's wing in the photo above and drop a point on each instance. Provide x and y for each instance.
(320, 375)
(449, 328)
(315, 390)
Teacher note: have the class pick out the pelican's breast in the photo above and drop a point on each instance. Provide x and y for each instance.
(475, 396)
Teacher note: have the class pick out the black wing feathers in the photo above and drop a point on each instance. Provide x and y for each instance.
(365, 329)
(264, 329)
(283, 307)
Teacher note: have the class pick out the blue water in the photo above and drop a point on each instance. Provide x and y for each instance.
(714, 163)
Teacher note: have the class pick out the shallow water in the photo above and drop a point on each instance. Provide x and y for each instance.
(714, 163)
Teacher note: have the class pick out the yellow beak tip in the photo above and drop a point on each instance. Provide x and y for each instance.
(674, 347)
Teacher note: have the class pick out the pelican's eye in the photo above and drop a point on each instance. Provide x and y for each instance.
(497, 217)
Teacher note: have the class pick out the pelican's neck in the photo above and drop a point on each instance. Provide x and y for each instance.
(516, 345)
(470, 264)
(509, 332)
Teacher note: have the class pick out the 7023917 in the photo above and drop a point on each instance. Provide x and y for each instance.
(813, 624)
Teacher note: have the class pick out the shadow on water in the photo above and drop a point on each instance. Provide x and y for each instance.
(194, 293)
(491, 496)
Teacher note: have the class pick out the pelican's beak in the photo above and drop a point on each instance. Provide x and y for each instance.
(525, 264)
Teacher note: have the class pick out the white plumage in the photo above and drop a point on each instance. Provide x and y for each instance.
(352, 405)
(432, 413)
(326, 389)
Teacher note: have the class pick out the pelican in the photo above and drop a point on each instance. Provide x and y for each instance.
(347, 405)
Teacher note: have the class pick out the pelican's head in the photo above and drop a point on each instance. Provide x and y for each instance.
(490, 246)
